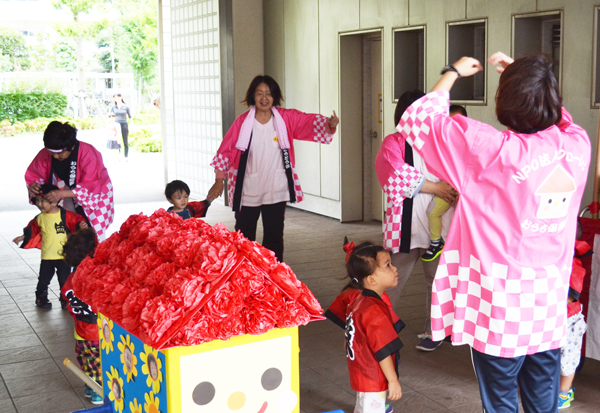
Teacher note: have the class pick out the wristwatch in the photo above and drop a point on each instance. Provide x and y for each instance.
(450, 68)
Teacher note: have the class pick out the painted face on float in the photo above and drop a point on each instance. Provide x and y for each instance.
(252, 378)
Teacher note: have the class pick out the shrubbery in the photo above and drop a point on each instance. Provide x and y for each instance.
(7, 128)
(145, 140)
(22, 106)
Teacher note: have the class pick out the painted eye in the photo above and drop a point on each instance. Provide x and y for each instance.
(549, 201)
(564, 199)
(271, 379)
(203, 393)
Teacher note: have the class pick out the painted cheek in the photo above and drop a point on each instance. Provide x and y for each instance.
(236, 400)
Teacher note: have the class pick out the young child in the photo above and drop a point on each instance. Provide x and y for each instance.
(178, 193)
(570, 353)
(78, 246)
(372, 343)
(48, 231)
(438, 207)
(114, 132)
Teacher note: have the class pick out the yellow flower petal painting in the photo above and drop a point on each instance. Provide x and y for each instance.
(152, 403)
(152, 368)
(135, 407)
(128, 358)
(116, 389)
(106, 334)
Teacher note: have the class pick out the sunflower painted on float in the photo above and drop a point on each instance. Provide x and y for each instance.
(135, 407)
(128, 358)
(115, 384)
(152, 368)
(106, 333)
(152, 403)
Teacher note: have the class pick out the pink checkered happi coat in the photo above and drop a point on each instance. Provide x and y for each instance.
(503, 277)
(399, 181)
(299, 125)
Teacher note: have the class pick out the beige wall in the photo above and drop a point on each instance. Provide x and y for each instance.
(302, 52)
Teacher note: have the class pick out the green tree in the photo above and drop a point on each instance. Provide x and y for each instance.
(14, 55)
(58, 56)
(78, 30)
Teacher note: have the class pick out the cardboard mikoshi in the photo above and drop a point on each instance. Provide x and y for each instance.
(248, 373)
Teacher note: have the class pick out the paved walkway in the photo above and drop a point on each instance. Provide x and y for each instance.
(33, 342)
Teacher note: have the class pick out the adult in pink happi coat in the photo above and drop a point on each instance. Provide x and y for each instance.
(503, 279)
(76, 168)
(257, 157)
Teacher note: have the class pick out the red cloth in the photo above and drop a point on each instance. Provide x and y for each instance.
(577, 276)
(174, 282)
(85, 318)
(198, 209)
(33, 234)
(370, 338)
(337, 310)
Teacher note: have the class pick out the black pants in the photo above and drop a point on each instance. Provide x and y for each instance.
(125, 133)
(47, 268)
(536, 375)
(272, 217)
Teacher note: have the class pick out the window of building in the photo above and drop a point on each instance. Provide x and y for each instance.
(409, 60)
(539, 33)
(468, 38)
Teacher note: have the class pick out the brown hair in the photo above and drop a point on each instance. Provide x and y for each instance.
(528, 99)
(362, 263)
(273, 87)
(79, 245)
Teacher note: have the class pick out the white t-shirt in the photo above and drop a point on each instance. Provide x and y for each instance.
(265, 181)
(420, 237)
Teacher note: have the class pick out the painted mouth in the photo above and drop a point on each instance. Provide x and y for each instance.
(263, 408)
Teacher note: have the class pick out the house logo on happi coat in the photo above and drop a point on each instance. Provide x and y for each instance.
(555, 194)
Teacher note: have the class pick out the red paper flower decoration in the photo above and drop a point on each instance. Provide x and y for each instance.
(179, 283)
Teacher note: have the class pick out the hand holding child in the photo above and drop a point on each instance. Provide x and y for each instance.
(34, 189)
(446, 192)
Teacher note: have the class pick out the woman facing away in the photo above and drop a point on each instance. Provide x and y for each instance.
(121, 112)
(502, 282)
(257, 157)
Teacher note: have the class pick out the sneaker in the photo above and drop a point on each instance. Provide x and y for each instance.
(564, 401)
(389, 409)
(43, 302)
(96, 398)
(427, 344)
(572, 394)
(88, 392)
(432, 252)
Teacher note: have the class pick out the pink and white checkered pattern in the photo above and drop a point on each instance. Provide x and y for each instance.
(414, 120)
(231, 181)
(504, 314)
(403, 183)
(320, 130)
(297, 188)
(392, 226)
(99, 208)
(220, 162)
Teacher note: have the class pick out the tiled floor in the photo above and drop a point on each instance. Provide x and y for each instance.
(34, 342)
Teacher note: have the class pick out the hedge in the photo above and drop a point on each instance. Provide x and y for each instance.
(22, 106)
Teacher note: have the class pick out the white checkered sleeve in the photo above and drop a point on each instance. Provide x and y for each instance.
(416, 121)
(99, 208)
(220, 162)
(320, 130)
(392, 226)
(403, 183)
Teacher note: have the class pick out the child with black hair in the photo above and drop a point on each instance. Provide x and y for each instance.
(178, 193)
(79, 246)
(437, 208)
(48, 231)
(371, 328)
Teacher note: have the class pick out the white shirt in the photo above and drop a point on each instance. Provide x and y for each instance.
(265, 181)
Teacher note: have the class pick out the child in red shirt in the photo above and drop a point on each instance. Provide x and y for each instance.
(372, 343)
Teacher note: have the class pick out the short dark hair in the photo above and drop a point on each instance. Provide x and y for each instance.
(60, 136)
(528, 99)
(176, 186)
(46, 188)
(404, 102)
(79, 245)
(273, 87)
(458, 109)
(362, 263)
